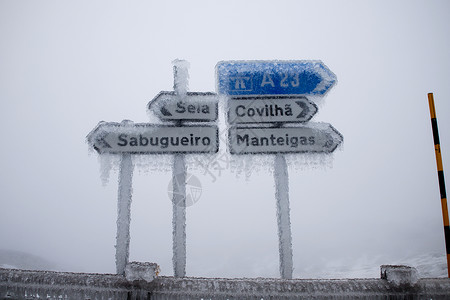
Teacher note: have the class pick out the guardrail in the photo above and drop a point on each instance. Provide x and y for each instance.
(396, 282)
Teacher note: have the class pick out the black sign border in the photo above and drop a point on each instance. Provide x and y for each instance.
(270, 97)
(152, 103)
(148, 125)
(278, 152)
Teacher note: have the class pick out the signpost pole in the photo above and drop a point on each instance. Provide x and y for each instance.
(124, 213)
(180, 70)
(283, 219)
(440, 169)
(179, 215)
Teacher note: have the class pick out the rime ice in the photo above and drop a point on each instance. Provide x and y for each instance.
(124, 213)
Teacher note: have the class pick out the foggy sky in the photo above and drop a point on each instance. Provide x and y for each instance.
(65, 66)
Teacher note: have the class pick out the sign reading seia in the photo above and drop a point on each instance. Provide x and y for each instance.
(193, 106)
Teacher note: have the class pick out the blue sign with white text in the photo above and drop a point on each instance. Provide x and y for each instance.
(302, 77)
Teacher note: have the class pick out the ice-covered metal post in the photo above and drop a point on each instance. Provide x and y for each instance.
(99, 139)
(181, 76)
(124, 213)
(283, 216)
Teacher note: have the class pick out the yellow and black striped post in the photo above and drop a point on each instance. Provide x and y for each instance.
(440, 169)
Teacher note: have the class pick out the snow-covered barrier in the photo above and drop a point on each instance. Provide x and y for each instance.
(262, 289)
(397, 282)
(21, 284)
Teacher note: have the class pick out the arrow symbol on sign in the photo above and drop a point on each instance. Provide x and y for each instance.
(97, 137)
(305, 109)
(164, 111)
(101, 140)
(328, 143)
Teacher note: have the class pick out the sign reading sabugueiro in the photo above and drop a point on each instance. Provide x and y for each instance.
(147, 138)
(311, 138)
(270, 109)
(194, 106)
(299, 77)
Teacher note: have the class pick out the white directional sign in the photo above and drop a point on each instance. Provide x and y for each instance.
(190, 107)
(270, 109)
(149, 138)
(312, 138)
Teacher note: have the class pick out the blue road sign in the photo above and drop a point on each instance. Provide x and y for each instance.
(302, 77)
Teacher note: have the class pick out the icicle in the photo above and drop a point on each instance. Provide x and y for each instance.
(106, 164)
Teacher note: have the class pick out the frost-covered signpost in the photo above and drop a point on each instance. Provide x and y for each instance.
(128, 138)
(180, 106)
(274, 93)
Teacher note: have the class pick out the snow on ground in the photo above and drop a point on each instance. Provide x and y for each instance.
(432, 265)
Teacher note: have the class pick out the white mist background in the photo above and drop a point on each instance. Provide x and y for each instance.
(64, 66)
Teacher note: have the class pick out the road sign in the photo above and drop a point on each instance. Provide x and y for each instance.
(191, 107)
(149, 138)
(316, 138)
(270, 109)
(301, 77)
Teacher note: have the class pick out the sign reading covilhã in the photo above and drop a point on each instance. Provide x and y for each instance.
(270, 109)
